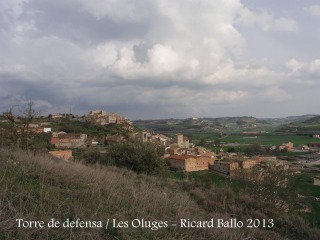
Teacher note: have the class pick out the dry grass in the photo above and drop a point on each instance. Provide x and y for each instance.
(38, 187)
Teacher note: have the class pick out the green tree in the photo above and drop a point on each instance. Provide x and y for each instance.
(231, 150)
(202, 142)
(257, 148)
(92, 156)
(139, 157)
(217, 142)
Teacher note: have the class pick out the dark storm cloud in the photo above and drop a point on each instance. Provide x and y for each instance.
(159, 59)
(70, 22)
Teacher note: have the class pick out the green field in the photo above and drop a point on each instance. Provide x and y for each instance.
(303, 185)
(269, 139)
(313, 127)
(299, 184)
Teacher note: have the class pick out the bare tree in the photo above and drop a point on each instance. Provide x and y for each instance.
(17, 131)
(11, 131)
(28, 115)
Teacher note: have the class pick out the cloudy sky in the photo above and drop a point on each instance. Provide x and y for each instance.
(151, 59)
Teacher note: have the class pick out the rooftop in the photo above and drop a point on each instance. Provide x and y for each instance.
(182, 157)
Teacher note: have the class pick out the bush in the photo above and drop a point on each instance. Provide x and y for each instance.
(139, 157)
(92, 156)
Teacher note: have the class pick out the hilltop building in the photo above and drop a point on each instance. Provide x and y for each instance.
(146, 136)
(103, 118)
(57, 116)
(183, 142)
(161, 139)
(68, 140)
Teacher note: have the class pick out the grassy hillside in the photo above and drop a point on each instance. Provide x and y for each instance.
(38, 187)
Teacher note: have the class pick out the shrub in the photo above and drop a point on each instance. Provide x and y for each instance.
(139, 157)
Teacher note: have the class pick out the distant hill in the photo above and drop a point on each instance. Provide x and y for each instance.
(301, 118)
(247, 119)
(191, 121)
(198, 125)
(315, 119)
(241, 119)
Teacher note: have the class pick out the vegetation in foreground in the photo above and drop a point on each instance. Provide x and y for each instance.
(38, 187)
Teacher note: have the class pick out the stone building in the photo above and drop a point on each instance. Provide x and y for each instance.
(225, 167)
(286, 146)
(182, 141)
(68, 140)
(190, 163)
(247, 163)
(103, 118)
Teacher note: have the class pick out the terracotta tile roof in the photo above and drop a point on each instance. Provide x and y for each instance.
(181, 157)
(70, 135)
(60, 140)
(66, 154)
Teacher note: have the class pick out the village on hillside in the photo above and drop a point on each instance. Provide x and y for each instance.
(228, 156)
(180, 152)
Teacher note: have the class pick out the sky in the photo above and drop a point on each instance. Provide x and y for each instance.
(156, 59)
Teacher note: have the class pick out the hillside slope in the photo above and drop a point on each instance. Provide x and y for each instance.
(38, 187)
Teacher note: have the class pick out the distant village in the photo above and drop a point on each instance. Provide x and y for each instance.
(180, 152)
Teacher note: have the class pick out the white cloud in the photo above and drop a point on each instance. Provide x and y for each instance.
(266, 21)
(242, 76)
(314, 10)
(164, 59)
(104, 54)
(314, 67)
(285, 24)
(186, 40)
(294, 65)
(173, 54)
(117, 10)
(304, 70)
(229, 96)
(276, 94)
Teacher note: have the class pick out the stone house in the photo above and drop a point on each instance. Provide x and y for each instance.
(225, 167)
(68, 140)
(190, 163)
(286, 146)
(245, 164)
